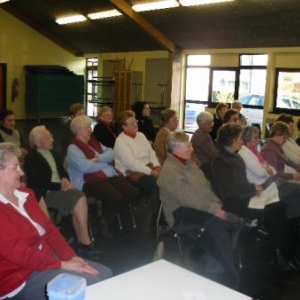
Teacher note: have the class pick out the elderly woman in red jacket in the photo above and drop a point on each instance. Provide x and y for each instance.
(32, 251)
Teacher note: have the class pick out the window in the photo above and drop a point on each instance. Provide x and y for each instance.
(196, 88)
(223, 85)
(252, 79)
(91, 87)
(287, 91)
(206, 86)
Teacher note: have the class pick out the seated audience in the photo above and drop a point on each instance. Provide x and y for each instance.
(8, 133)
(46, 175)
(142, 113)
(187, 198)
(91, 169)
(260, 172)
(231, 116)
(203, 145)
(105, 131)
(32, 250)
(229, 176)
(273, 153)
(290, 147)
(76, 109)
(237, 105)
(136, 159)
(221, 109)
(169, 122)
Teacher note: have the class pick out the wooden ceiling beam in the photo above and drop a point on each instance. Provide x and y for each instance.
(151, 30)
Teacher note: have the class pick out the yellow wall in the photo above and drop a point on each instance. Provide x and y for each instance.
(20, 45)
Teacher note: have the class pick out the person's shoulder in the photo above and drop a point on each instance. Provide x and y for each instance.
(33, 153)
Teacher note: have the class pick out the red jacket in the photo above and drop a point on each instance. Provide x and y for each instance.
(19, 244)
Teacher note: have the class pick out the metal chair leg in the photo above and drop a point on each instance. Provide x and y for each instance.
(158, 229)
(132, 216)
(119, 222)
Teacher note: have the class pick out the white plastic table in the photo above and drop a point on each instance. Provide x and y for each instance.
(161, 280)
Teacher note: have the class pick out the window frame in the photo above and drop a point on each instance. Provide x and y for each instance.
(278, 110)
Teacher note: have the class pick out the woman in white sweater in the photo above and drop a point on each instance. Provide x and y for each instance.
(136, 158)
(261, 173)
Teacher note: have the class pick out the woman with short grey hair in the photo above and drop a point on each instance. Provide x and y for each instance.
(204, 146)
(204, 117)
(91, 169)
(46, 175)
(32, 250)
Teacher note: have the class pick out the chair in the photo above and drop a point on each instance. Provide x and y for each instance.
(190, 231)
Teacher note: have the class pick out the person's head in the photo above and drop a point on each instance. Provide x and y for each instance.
(169, 119)
(141, 109)
(250, 135)
(178, 143)
(105, 115)
(221, 109)
(231, 116)
(75, 110)
(230, 136)
(287, 119)
(205, 121)
(10, 171)
(40, 138)
(237, 105)
(81, 127)
(279, 132)
(7, 119)
(127, 122)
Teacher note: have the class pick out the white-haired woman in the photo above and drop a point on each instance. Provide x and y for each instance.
(46, 175)
(90, 165)
(32, 250)
(203, 144)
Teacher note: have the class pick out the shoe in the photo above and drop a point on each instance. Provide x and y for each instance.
(88, 251)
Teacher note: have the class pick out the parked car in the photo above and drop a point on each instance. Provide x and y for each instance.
(255, 115)
(252, 99)
(286, 102)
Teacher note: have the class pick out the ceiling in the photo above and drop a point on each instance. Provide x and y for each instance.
(238, 24)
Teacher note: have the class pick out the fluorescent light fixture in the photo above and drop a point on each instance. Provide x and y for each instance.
(70, 19)
(155, 5)
(201, 2)
(2, 1)
(104, 14)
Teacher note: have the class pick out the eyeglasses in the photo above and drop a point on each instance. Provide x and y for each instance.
(132, 123)
(15, 167)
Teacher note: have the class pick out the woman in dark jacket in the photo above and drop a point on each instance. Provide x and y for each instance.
(105, 131)
(145, 124)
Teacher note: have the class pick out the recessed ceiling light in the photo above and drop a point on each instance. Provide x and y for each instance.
(201, 2)
(155, 5)
(2, 1)
(70, 19)
(104, 14)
